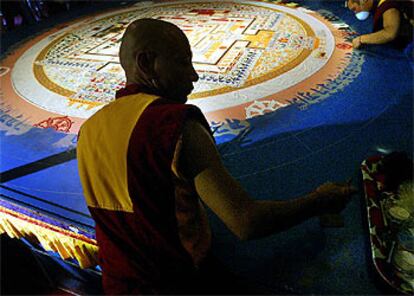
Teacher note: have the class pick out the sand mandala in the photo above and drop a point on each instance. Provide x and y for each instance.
(252, 58)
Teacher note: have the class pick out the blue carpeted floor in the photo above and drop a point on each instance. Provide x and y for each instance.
(291, 151)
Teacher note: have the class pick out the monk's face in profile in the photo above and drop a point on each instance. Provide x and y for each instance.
(156, 55)
(360, 5)
(174, 69)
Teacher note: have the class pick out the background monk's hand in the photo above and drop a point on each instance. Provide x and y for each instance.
(356, 42)
(333, 197)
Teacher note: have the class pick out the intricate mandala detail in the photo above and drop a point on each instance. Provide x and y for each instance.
(263, 107)
(60, 124)
(345, 46)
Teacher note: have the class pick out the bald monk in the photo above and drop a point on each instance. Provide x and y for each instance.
(393, 21)
(149, 167)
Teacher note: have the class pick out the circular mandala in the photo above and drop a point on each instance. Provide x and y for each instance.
(235, 46)
(252, 57)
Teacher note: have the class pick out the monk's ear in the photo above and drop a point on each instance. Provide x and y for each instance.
(145, 61)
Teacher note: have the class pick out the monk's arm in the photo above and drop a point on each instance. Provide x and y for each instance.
(245, 217)
(391, 20)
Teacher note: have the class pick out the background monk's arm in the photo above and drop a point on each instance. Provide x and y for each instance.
(391, 20)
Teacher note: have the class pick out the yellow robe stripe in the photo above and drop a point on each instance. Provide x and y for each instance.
(103, 167)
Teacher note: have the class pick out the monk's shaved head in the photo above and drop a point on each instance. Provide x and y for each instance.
(147, 35)
(360, 5)
(156, 55)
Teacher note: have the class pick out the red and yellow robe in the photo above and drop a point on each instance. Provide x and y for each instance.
(151, 228)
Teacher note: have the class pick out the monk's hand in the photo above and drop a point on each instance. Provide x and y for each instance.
(333, 197)
(356, 42)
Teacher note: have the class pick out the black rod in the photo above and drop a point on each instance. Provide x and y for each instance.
(38, 165)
